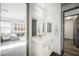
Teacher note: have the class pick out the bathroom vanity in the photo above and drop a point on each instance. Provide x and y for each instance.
(42, 45)
(42, 40)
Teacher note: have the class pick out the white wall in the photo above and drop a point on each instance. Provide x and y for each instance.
(55, 12)
(13, 10)
(52, 15)
(68, 29)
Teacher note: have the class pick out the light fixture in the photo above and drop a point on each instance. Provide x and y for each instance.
(67, 17)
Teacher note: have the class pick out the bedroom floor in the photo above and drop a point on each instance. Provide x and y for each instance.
(70, 49)
(14, 48)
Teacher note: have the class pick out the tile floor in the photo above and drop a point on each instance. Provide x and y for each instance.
(70, 49)
(14, 48)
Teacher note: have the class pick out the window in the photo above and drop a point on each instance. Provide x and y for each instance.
(5, 27)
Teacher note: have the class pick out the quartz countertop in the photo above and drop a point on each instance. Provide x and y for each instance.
(43, 38)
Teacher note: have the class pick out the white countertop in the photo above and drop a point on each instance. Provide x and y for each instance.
(42, 39)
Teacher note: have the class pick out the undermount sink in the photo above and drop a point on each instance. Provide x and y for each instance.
(41, 35)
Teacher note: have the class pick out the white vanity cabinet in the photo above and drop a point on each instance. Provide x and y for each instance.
(51, 46)
(43, 48)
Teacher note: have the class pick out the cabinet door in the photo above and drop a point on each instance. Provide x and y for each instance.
(78, 32)
(75, 33)
(51, 46)
(45, 50)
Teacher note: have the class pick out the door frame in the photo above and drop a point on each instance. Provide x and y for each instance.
(63, 15)
(27, 12)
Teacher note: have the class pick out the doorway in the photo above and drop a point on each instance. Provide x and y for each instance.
(71, 13)
(13, 26)
(70, 36)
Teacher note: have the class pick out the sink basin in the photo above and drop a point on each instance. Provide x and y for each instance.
(40, 36)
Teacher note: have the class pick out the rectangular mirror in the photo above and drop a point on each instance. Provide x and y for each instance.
(34, 27)
(49, 27)
(43, 27)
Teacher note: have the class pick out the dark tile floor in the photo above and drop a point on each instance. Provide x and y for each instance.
(70, 49)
